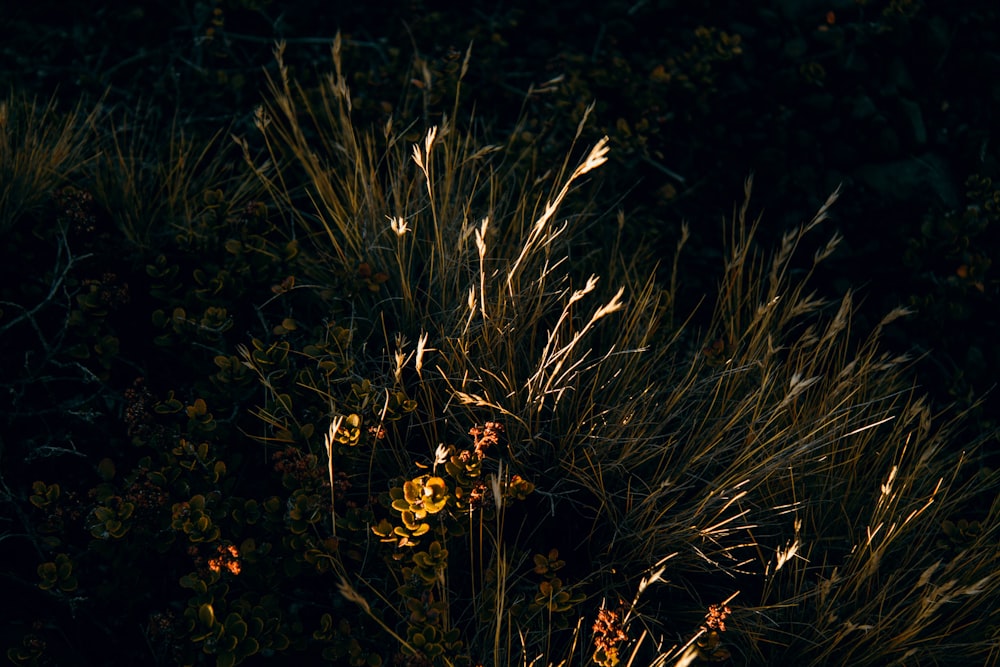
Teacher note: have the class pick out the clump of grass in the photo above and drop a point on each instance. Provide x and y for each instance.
(782, 478)
(801, 471)
(39, 148)
(148, 178)
(156, 181)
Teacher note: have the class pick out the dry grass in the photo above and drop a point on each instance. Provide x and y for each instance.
(151, 179)
(784, 466)
(154, 181)
(39, 148)
(769, 490)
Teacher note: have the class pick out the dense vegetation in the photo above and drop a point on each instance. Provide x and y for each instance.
(422, 344)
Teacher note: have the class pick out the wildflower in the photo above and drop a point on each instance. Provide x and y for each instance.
(608, 634)
(483, 437)
(228, 558)
(715, 620)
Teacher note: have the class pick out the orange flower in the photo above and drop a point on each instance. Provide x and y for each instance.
(228, 558)
(608, 634)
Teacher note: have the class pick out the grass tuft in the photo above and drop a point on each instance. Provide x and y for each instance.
(774, 465)
(39, 149)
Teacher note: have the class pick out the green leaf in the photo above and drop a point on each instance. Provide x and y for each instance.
(239, 630)
(106, 469)
(206, 614)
